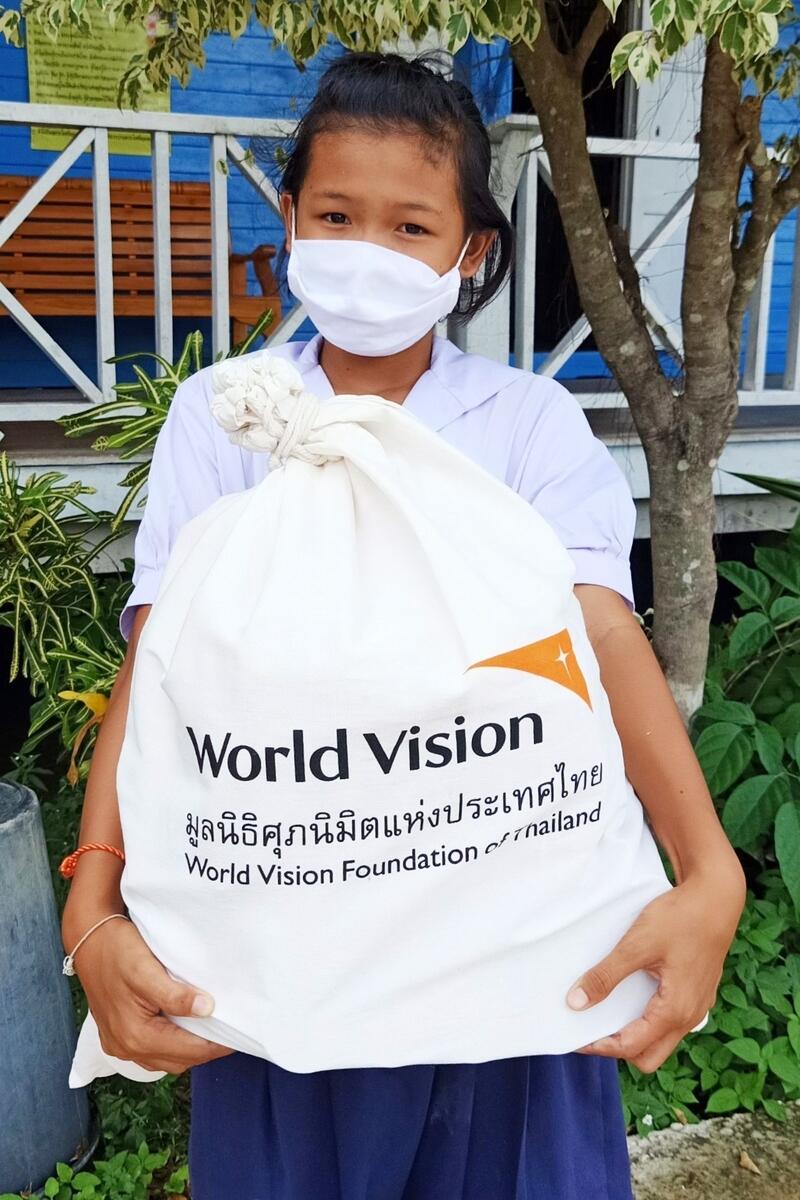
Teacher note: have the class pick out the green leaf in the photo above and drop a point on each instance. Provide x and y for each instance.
(787, 848)
(728, 710)
(782, 565)
(774, 1109)
(787, 722)
(457, 30)
(778, 487)
(756, 1018)
(793, 1033)
(722, 1101)
(699, 1054)
(796, 749)
(730, 1023)
(751, 808)
(721, 1057)
(749, 581)
(708, 1078)
(734, 995)
(747, 1049)
(774, 999)
(662, 12)
(769, 747)
(750, 634)
(786, 1068)
(785, 608)
(724, 752)
(51, 1188)
(64, 1172)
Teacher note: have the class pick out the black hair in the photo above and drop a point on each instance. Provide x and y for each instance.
(389, 92)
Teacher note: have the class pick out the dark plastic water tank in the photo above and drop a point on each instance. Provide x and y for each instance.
(43, 1121)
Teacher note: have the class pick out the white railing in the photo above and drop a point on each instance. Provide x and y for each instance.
(222, 135)
(520, 162)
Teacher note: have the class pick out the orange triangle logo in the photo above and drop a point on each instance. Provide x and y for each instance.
(552, 658)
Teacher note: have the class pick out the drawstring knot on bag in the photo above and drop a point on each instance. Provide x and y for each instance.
(261, 402)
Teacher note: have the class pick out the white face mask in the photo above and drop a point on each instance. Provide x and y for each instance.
(366, 299)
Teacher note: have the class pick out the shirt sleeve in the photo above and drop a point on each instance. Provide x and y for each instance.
(571, 478)
(183, 481)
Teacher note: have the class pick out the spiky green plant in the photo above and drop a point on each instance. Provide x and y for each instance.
(64, 617)
(131, 434)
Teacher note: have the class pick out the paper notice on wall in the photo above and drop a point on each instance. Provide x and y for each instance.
(85, 68)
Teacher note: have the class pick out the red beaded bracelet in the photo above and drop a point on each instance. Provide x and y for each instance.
(68, 865)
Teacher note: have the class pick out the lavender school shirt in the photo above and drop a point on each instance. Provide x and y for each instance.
(525, 429)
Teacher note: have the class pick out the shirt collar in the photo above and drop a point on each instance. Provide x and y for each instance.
(454, 383)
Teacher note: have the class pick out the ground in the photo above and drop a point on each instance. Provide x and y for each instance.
(715, 1160)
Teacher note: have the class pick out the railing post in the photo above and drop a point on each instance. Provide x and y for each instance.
(489, 333)
(791, 374)
(525, 263)
(220, 290)
(162, 248)
(103, 265)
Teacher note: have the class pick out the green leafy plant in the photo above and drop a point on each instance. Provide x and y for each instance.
(130, 423)
(748, 1055)
(63, 615)
(747, 738)
(126, 1174)
(748, 731)
(45, 556)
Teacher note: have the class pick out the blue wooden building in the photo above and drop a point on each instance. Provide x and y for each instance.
(643, 139)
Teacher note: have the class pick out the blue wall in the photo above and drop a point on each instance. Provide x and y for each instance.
(780, 117)
(250, 78)
(265, 83)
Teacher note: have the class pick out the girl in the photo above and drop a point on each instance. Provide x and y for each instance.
(392, 163)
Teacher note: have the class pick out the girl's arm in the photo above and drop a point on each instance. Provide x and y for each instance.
(94, 890)
(683, 936)
(128, 989)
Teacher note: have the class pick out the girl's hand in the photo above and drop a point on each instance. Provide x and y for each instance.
(129, 991)
(681, 938)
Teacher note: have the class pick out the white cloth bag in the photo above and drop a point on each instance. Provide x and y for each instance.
(371, 793)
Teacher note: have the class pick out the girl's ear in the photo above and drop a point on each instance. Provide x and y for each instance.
(287, 200)
(477, 250)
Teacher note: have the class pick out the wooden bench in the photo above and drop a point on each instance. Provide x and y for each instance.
(48, 263)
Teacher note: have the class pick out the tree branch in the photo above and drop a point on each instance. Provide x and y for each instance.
(621, 332)
(590, 35)
(748, 257)
(632, 286)
(787, 194)
(710, 347)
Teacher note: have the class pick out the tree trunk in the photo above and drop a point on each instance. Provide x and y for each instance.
(682, 435)
(683, 512)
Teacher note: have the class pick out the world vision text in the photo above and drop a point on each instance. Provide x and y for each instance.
(408, 751)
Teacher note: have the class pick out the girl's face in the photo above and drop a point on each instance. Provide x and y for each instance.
(387, 189)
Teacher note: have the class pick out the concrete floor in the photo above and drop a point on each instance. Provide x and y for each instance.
(704, 1162)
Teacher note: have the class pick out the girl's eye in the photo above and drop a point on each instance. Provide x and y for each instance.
(410, 227)
(335, 218)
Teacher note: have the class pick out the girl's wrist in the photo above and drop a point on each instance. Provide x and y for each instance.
(719, 872)
(94, 893)
(701, 850)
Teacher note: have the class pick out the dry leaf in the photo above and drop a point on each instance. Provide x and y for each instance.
(746, 1162)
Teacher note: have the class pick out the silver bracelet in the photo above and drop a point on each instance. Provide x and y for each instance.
(68, 968)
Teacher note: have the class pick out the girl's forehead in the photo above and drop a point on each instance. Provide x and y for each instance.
(367, 162)
(358, 147)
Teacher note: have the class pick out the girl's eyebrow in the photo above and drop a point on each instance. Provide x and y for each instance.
(418, 206)
(332, 195)
(411, 205)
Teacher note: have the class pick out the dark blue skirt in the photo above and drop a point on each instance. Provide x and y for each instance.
(529, 1128)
